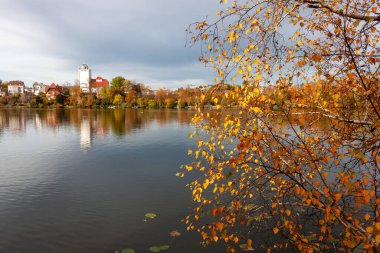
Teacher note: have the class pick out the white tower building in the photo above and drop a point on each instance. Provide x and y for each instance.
(85, 78)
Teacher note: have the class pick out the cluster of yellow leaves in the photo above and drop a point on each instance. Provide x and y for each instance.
(300, 136)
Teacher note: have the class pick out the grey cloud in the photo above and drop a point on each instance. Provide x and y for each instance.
(145, 38)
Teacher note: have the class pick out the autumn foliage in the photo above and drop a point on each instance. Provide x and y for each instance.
(298, 158)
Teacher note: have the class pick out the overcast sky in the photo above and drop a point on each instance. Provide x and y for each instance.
(142, 40)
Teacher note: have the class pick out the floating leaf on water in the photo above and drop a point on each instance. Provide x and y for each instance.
(128, 250)
(164, 247)
(175, 233)
(154, 249)
(151, 215)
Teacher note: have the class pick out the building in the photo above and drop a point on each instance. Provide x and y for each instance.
(52, 91)
(98, 84)
(16, 87)
(38, 88)
(85, 78)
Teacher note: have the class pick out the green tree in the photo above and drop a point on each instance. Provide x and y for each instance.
(117, 82)
(106, 96)
(59, 99)
(153, 104)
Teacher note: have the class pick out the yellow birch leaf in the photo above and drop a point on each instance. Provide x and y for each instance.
(256, 109)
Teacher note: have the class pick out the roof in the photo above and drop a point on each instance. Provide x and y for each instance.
(17, 83)
(99, 82)
(53, 87)
(84, 66)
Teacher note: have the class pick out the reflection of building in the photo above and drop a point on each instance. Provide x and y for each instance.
(38, 122)
(85, 134)
(84, 78)
(17, 123)
(16, 87)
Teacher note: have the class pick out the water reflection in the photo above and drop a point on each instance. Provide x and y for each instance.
(89, 123)
(55, 198)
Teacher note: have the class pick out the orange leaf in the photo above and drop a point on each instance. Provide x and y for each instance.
(369, 230)
(338, 196)
(219, 226)
(377, 238)
(213, 211)
(249, 243)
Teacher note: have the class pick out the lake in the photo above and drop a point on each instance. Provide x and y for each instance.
(78, 180)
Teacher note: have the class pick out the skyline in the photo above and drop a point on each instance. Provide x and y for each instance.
(139, 40)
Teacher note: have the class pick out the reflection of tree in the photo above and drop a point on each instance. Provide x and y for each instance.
(99, 122)
(14, 120)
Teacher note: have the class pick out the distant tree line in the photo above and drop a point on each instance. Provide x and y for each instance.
(122, 93)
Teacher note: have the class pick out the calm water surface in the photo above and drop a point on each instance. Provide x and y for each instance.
(82, 180)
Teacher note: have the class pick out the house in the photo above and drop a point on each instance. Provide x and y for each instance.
(98, 84)
(38, 88)
(52, 91)
(16, 87)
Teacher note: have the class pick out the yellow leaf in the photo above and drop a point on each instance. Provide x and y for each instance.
(258, 77)
(256, 109)
(206, 184)
(256, 92)
(275, 230)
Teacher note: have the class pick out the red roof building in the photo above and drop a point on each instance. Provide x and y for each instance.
(52, 91)
(98, 84)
